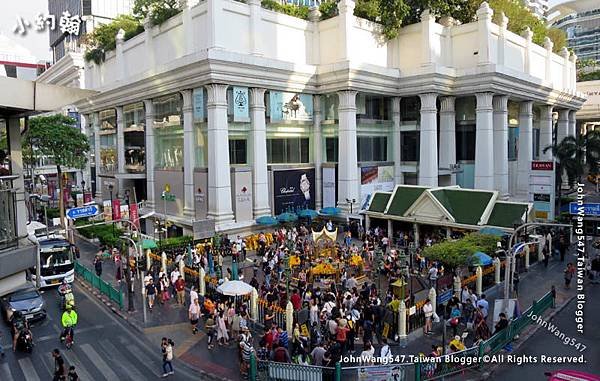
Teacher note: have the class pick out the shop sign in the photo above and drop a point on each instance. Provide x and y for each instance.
(107, 208)
(290, 106)
(542, 165)
(240, 104)
(116, 209)
(134, 215)
(542, 189)
(374, 179)
(198, 96)
(293, 190)
(329, 185)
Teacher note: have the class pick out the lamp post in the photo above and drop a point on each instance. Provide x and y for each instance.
(128, 279)
(351, 202)
(110, 190)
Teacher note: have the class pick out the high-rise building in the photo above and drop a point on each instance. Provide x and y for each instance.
(538, 7)
(580, 19)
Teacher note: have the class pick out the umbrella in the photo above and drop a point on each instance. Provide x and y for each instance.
(481, 259)
(235, 288)
(148, 244)
(330, 211)
(287, 217)
(266, 220)
(308, 213)
(492, 231)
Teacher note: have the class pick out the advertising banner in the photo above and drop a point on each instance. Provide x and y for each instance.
(329, 191)
(242, 183)
(124, 212)
(116, 210)
(87, 197)
(375, 179)
(107, 210)
(79, 199)
(240, 104)
(541, 189)
(293, 190)
(290, 106)
(134, 215)
(381, 373)
(199, 103)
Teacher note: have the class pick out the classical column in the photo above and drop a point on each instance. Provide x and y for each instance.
(189, 154)
(149, 133)
(219, 179)
(16, 165)
(347, 154)
(500, 105)
(396, 142)
(87, 172)
(484, 142)
(120, 143)
(571, 131)
(545, 132)
(428, 152)
(97, 161)
(318, 151)
(259, 153)
(525, 145)
(448, 135)
(562, 125)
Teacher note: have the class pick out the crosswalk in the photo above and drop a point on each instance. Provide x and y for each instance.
(104, 359)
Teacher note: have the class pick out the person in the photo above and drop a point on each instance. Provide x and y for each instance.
(180, 289)
(428, 311)
(280, 354)
(546, 254)
(246, 350)
(562, 247)
(433, 275)
(209, 326)
(458, 344)
(385, 355)
(368, 354)
(485, 306)
(317, 354)
(516, 281)
(569, 271)
(59, 366)
(193, 294)
(167, 352)
(222, 336)
(98, 265)
(194, 315)
(73, 376)
(151, 293)
(68, 320)
(502, 323)
(482, 331)
(19, 326)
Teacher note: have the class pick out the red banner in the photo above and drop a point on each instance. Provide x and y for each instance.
(134, 215)
(116, 210)
(67, 194)
(87, 197)
(542, 165)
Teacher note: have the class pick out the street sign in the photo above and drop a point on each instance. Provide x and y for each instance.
(589, 209)
(444, 297)
(167, 196)
(82, 212)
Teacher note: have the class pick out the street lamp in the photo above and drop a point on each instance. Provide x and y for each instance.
(110, 190)
(351, 202)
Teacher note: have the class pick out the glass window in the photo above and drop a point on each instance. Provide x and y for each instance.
(331, 149)
(108, 130)
(513, 140)
(108, 120)
(410, 109)
(465, 142)
(133, 117)
(372, 148)
(168, 128)
(288, 150)
(237, 151)
(329, 106)
(410, 145)
(201, 147)
(372, 107)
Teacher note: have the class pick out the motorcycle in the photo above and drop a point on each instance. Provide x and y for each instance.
(25, 341)
(66, 296)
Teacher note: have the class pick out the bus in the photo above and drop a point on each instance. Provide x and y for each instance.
(56, 257)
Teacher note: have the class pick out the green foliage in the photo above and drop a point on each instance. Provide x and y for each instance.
(391, 14)
(158, 10)
(299, 11)
(103, 38)
(458, 253)
(461, 10)
(591, 76)
(52, 213)
(104, 233)
(176, 242)
(55, 136)
(328, 9)
(367, 9)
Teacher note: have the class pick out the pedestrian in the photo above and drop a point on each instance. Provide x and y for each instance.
(119, 269)
(516, 281)
(546, 255)
(59, 366)
(209, 326)
(1, 348)
(151, 293)
(428, 311)
(180, 289)
(569, 271)
(222, 336)
(73, 376)
(193, 294)
(167, 353)
(194, 315)
(484, 305)
(165, 295)
(482, 331)
(98, 265)
(562, 247)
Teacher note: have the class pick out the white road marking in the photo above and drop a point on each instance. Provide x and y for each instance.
(5, 373)
(97, 360)
(28, 369)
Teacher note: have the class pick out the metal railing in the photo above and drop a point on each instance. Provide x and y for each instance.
(104, 287)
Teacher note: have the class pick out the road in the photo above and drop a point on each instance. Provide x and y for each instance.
(105, 348)
(545, 343)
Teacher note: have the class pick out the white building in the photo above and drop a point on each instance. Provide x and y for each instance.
(538, 7)
(247, 112)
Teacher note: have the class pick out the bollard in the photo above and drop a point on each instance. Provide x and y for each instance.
(254, 304)
(497, 267)
(201, 282)
(182, 269)
(402, 337)
(526, 257)
(163, 262)
(479, 280)
(457, 286)
(433, 297)
(289, 318)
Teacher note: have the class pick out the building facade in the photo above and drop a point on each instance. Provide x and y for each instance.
(234, 111)
(537, 7)
(580, 20)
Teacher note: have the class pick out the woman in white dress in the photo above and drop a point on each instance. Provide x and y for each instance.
(222, 336)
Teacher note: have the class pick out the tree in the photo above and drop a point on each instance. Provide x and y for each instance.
(103, 38)
(55, 136)
(158, 10)
(459, 253)
(461, 10)
(391, 14)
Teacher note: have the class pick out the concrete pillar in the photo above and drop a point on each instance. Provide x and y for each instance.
(479, 283)
(16, 164)
(148, 260)
(527, 34)
(484, 142)
(562, 125)
(348, 160)
(448, 135)
(120, 142)
(501, 46)
(367, 222)
(457, 286)
(201, 282)
(119, 59)
(318, 151)
(163, 262)
(416, 231)
(428, 152)
(571, 131)
(259, 153)
(402, 322)
(497, 270)
(546, 125)
(525, 155)
(428, 35)
(526, 257)
(182, 268)
(548, 45)
(189, 154)
(484, 24)
(149, 134)
(390, 232)
(97, 161)
(572, 72)
(148, 45)
(254, 304)
(86, 174)
(254, 27)
(219, 180)
(433, 297)
(566, 79)
(448, 233)
(188, 26)
(500, 105)
(289, 318)
(396, 142)
(346, 26)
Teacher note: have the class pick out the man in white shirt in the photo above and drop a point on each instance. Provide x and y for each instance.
(193, 295)
(385, 355)
(428, 311)
(484, 305)
(433, 274)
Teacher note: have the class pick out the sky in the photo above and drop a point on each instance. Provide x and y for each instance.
(36, 42)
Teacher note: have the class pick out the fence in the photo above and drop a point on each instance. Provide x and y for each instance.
(104, 287)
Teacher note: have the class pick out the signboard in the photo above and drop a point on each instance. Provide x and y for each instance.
(107, 207)
(329, 191)
(199, 103)
(241, 182)
(116, 210)
(589, 209)
(541, 189)
(87, 197)
(124, 212)
(444, 297)
(375, 179)
(293, 190)
(381, 373)
(290, 106)
(134, 215)
(240, 104)
(79, 199)
(542, 165)
(82, 212)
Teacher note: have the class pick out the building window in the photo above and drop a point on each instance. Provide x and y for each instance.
(372, 107)
(168, 132)
(288, 150)
(410, 146)
(465, 142)
(372, 148)
(410, 109)
(331, 149)
(237, 151)
(536, 144)
(513, 140)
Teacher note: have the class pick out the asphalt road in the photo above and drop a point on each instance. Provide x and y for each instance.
(545, 343)
(105, 348)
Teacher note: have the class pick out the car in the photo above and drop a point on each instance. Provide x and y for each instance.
(27, 300)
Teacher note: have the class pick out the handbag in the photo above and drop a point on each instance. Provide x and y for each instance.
(436, 318)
